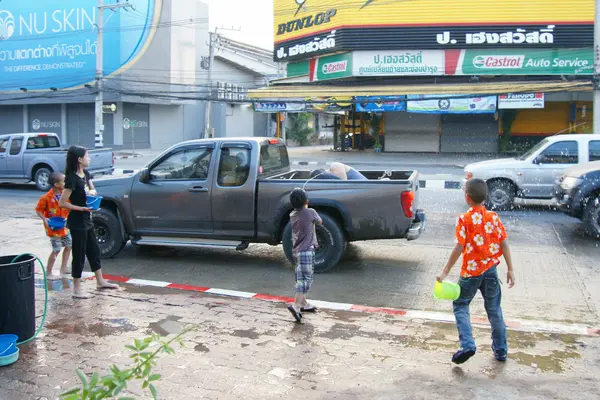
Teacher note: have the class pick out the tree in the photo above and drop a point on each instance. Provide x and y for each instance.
(297, 128)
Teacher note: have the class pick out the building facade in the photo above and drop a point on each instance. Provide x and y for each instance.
(458, 77)
(155, 68)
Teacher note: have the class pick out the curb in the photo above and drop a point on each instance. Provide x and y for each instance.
(517, 325)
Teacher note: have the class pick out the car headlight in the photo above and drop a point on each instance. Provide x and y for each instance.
(569, 182)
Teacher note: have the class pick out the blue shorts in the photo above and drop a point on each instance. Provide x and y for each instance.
(305, 268)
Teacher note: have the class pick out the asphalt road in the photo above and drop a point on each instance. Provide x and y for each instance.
(556, 264)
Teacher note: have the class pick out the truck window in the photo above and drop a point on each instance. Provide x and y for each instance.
(273, 158)
(15, 147)
(595, 150)
(234, 167)
(42, 142)
(186, 164)
(565, 152)
(3, 145)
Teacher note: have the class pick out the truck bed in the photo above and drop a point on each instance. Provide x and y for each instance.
(368, 209)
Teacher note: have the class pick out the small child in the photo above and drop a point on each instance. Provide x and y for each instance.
(47, 207)
(304, 242)
(482, 240)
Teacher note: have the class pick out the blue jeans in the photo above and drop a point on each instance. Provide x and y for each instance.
(489, 285)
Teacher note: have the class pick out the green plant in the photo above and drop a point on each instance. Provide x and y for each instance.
(508, 118)
(297, 128)
(111, 385)
(376, 120)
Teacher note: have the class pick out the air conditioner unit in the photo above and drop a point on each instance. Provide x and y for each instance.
(229, 94)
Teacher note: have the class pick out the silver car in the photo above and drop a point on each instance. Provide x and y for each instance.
(534, 174)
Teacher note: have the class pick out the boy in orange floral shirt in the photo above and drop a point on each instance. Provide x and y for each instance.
(482, 240)
(47, 208)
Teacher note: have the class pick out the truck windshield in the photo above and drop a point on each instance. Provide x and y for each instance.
(534, 149)
(273, 158)
(42, 142)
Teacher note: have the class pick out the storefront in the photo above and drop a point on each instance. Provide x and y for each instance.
(458, 61)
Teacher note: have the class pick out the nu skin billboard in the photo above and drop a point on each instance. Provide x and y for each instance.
(52, 44)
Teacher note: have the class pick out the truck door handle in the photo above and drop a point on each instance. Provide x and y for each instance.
(198, 189)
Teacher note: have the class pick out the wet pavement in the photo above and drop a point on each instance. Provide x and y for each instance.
(252, 350)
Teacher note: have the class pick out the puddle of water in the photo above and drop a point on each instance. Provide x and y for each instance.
(102, 328)
(555, 362)
(201, 348)
(246, 334)
(167, 326)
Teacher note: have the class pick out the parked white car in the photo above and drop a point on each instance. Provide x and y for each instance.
(534, 174)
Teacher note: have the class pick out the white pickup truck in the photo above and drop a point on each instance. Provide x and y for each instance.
(534, 174)
(34, 156)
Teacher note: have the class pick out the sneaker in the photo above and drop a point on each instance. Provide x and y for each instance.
(309, 308)
(295, 313)
(501, 355)
(462, 356)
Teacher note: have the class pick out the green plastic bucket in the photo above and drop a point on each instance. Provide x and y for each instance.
(446, 291)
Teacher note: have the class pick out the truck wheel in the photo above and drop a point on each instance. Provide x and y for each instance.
(42, 179)
(501, 195)
(108, 233)
(591, 217)
(332, 244)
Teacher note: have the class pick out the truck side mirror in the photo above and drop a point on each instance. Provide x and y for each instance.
(144, 175)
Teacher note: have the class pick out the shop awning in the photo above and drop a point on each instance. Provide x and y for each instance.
(483, 88)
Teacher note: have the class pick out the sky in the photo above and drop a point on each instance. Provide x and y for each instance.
(253, 17)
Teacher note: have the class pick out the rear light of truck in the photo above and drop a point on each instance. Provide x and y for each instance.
(407, 200)
(273, 141)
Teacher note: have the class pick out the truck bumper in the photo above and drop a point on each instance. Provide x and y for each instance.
(418, 226)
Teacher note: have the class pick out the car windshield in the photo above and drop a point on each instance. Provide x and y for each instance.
(534, 149)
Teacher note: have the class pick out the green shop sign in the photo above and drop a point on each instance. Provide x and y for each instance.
(525, 62)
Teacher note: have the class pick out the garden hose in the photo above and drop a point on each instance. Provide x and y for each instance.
(45, 295)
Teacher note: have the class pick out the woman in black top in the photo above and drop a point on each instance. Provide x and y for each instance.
(78, 184)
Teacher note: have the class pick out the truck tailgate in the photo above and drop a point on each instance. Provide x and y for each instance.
(101, 161)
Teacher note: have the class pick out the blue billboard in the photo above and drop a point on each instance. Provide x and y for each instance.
(46, 44)
(380, 104)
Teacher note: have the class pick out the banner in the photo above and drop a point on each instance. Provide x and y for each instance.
(445, 104)
(398, 63)
(521, 62)
(380, 104)
(279, 107)
(330, 67)
(516, 101)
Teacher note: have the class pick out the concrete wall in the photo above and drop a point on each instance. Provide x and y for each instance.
(240, 120)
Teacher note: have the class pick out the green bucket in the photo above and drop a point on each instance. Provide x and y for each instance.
(446, 291)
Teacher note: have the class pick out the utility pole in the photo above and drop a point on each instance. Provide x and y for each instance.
(213, 38)
(597, 67)
(99, 123)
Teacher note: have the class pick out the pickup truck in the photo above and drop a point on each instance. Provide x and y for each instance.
(34, 156)
(228, 193)
(533, 175)
(578, 194)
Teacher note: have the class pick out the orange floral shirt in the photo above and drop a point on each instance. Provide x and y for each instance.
(481, 233)
(48, 206)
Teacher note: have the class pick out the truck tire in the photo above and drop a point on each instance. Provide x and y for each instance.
(591, 217)
(501, 195)
(332, 244)
(42, 179)
(108, 233)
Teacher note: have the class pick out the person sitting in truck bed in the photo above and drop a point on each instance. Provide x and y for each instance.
(322, 174)
(346, 172)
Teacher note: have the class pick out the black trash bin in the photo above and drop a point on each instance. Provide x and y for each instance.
(17, 296)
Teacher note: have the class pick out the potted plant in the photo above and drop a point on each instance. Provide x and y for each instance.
(376, 126)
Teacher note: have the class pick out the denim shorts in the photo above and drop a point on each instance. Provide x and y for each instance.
(58, 243)
(305, 269)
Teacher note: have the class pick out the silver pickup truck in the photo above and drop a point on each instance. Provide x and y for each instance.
(34, 156)
(534, 174)
(228, 193)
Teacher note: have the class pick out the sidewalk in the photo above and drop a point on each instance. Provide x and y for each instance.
(245, 349)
